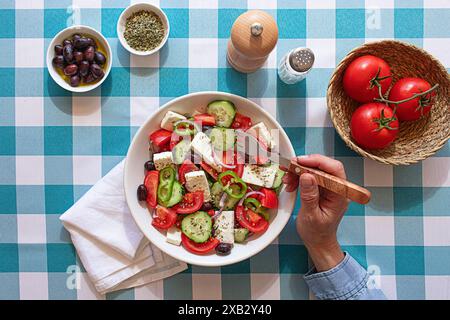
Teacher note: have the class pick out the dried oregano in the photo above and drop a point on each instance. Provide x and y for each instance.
(144, 30)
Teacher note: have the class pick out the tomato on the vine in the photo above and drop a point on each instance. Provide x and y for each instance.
(374, 126)
(415, 108)
(362, 77)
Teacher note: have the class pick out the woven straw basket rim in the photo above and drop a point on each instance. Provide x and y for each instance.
(417, 140)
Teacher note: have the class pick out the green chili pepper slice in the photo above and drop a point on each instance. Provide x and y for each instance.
(252, 203)
(230, 178)
(183, 128)
(166, 180)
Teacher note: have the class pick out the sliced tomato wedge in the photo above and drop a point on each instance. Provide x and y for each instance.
(165, 218)
(174, 139)
(270, 199)
(210, 170)
(233, 159)
(186, 166)
(205, 119)
(199, 248)
(250, 220)
(241, 122)
(160, 137)
(191, 202)
(151, 183)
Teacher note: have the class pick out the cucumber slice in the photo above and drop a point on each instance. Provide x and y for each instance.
(180, 151)
(197, 226)
(224, 112)
(278, 178)
(222, 138)
(240, 235)
(176, 197)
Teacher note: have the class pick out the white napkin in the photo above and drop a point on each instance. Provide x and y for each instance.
(114, 252)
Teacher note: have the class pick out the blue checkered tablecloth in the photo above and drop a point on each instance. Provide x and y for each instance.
(54, 145)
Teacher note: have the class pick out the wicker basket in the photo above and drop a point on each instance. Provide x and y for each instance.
(417, 140)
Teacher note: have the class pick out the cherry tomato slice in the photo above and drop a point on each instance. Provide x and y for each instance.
(270, 199)
(210, 170)
(241, 122)
(250, 220)
(198, 248)
(191, 202)
(165, 218)
(160, 137)
(151, 183)
(186, 166)
(205, 119)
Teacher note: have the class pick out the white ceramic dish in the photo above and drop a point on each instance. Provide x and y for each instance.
(135, 8)
(66, 33)
(138, 154)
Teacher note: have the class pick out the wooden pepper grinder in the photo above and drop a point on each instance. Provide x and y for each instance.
(254, 34)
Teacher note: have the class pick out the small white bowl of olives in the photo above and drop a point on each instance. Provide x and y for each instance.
(79, 58)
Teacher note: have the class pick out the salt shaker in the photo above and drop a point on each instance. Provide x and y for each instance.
(295, 65)
(254, 34)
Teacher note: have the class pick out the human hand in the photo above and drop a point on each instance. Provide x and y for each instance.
(321, 211)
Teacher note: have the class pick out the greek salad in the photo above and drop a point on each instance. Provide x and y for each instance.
(201, 191)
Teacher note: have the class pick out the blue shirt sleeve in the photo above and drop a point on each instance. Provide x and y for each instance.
(346, 281)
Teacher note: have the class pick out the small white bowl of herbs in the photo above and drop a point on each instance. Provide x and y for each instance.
(143, 29)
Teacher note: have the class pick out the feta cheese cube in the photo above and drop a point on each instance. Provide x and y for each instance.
(170, 118)
(263, 176)
(173, 236)
(196, 181)
(224, 227)
(263, 135)
(201, 144)
(162, 160)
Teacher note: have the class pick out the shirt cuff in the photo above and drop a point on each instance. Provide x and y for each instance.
(342, 282)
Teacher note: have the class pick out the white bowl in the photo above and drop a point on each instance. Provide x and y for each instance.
(135, 8)
(134, 176)
(66, 33)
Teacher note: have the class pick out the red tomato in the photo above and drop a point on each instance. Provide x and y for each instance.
(165, 218)
(191, 202)
(211, 213)
(374, 126)
(198, 248)
(362, 74)
(205, 119)
(210, 170)
(415, 108)
(250, 220)
(151, 182)
(270, 199)
(241, 122)
(174, 139)
(161, 137)
(187, 166)
(233, 158)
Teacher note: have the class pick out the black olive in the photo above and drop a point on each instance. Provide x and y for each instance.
(76, 36)
(71, 70)
(142, 193)
(149, 165)
(99, 58)
(81, 43)
(223, 248)
(58, 61)
(96, 71)
(75, 80)
(78, 56)
(68, 53)
(67, 42)
(58, 49)
(89, 53)
(89, 78)
(84, 68)
(207, 206)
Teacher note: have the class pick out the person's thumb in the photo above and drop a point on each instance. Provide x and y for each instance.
(309, 192)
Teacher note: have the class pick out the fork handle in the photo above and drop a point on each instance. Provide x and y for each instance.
(338, 185)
